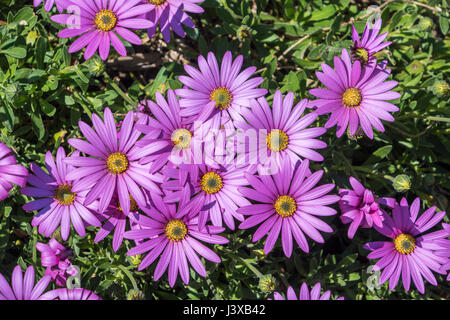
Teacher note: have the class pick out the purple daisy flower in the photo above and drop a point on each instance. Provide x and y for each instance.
(370, 43)
(445, 250)
(214, 190)
(361, 208)
(48, 4)
(62, 198)
(174, 240)
(100, 23)
(56, 257)
(305, 294)
(171, 14)
(355, 96)
(70, 294)
(215, 96)
(168, 136)
(115, 219)
(22, 286)
(287, 133)
(410, 254)
(10, 172)
(114, 166)
(288, 203)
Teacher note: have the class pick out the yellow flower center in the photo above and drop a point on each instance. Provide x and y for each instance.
(222, 97)
(157, 2)
(176, 230)
(181, 138)
(211, 182)
(362, 55)
(351, 98)
(117, 163)
(285, 206)
(405, 243)
(133, 205)
(277, 140)
(64, 195)
(105, 20)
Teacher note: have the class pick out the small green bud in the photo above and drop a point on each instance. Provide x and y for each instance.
(402, 183)
(267, 283)
(135, 295)
(244, 33)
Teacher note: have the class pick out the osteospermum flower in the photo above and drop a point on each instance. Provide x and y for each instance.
(214, 190)
(56, 257)
(48, 4)
(22, 286)
(70, 294)
(287, 135)
(305, 294)
(216, 95)
(171, 14)
(168, 136)
(115, 220)
(99, 23)
(355, 96)
(370, 43)
(361, 207)
(411, 253)
(288, 203)
(62, 198)
(10, 172)
(174, 240)
(113, 166)
(445, 250)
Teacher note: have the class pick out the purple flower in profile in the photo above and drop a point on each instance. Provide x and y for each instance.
(412, 253)
(62, 198)
(114, 219)
(168, 135)
(445, 250)
(56, 257)
(22, 286)
(354, 96)
(99, 23)
(305, 294)
(114, 163)
(288, 203)
(287, 134)
(10, 172)
(216, 95)
(370, 43)
(171, 14)
(214, 191)
(361, 208)
(48, 4)
(70, 294)
(174, 240)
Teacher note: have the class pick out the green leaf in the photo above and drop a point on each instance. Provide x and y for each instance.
(443, 23)
(324, 13)
(47, 108)
(38, 125)
(15, 52)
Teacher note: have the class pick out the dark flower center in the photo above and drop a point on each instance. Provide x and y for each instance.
(277, 140)
(285, 206)
(222, 97)
(176, 230)
(117, 163)
(64, 195)
(405, 243)
(211, 182)
(105, 20)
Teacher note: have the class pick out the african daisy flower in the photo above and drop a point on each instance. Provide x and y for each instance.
(22, 286)
(214, 191)
(370, 43)
(215, 96)
(99, 23)
(56, 257)
(288, 203)
(354, 96)
(361, 208)
(113, 166)
(286, 129)
(48, 4)
(174, 240)
(168, 135)
(410, 253)
(445, 250)
(70, 294)
(10, 172)
(62, 198)
(171, 14)
(305, 294)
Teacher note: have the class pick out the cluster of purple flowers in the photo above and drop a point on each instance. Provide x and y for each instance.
(99, 24)
(145, 172)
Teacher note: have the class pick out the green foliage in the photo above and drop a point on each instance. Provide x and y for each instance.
(45, 91)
